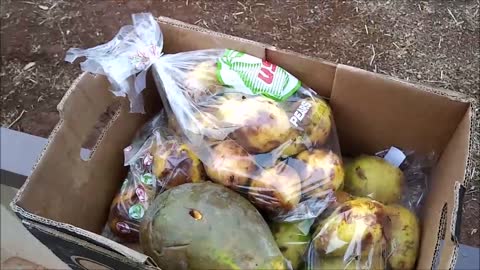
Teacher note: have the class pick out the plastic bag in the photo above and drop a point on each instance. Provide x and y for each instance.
(373, 222)
(256, 128)
(157, 160)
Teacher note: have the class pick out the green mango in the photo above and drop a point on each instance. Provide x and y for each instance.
(207, 226)
(374, 177)
(292, 239)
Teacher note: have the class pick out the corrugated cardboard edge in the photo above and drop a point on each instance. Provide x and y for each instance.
(127, 252)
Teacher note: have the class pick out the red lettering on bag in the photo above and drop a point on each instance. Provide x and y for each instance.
(266, 72)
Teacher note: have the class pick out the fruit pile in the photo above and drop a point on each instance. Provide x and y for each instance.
(269, 145)
(366, 228)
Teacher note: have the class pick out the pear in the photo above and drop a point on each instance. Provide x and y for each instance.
(276, 189)
(321, 172)
(312, 123)
(175, 164)
(355, 228)
(230, 165)
(403, 237)
(201, 81)
(338, 199)
(374, 177)
(261, 125)
(292, 238)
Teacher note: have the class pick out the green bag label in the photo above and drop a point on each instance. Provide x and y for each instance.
(252, 75)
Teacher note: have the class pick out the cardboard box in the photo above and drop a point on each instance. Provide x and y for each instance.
(65, 201)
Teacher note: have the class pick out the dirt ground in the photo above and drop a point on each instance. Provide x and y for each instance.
(434, 43)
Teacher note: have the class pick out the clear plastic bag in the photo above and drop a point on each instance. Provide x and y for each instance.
(256, 128)
(372, 223)
(157, 160)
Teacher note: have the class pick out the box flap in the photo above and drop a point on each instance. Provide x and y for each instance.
(80, 110)
(371, 115)
(443, 190)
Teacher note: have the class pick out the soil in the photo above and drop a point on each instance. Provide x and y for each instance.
(435, 43)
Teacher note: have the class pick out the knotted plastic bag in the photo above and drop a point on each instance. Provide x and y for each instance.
(255, 127)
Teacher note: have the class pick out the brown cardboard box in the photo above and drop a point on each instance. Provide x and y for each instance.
(65, 201)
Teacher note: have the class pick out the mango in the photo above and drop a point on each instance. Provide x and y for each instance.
(207, 226)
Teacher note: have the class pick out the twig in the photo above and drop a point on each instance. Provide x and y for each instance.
(243, 6)
(373, 56)
(366, 29)
(205, 23)
(451, 14)
(440, 43)
(17, 119)
(186, 2)
(432, 81)
(63, 34)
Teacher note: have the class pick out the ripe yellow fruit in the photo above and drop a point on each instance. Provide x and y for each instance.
(292, 238)
(261, 125)
(321, 172)
(202, 81)
(312, 123)
(276, 189)
(403, 237)
(371, 176)
(230, 165)
(355, 228)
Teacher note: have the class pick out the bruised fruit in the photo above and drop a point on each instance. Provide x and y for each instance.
(230, 165)
(292, 238)
(207, 226)
(175, 164)
(339, 197)
(321, 172)
(261, 124)
(403, 237)
(374, 177)
(276, 189)
(355, 228)
(312, 117)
